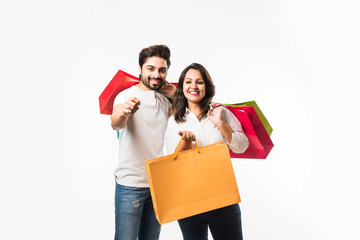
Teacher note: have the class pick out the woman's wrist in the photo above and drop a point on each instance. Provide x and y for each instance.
(185, 145)
(220, 124)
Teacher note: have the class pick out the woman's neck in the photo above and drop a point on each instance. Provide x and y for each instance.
(195, 108)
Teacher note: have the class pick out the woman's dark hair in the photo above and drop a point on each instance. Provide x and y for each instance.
(161, 51)
(180, 102)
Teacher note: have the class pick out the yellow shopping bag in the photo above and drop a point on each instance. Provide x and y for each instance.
(191, 182)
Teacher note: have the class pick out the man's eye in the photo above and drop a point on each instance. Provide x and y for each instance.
(163, 71)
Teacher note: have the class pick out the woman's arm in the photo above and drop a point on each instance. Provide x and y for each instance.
(216, 117)
(230, 128)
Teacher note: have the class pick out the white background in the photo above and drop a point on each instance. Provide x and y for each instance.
(298, 59)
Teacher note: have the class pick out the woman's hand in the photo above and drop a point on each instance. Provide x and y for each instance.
(216, 118)
(215, 115)
(187, 135)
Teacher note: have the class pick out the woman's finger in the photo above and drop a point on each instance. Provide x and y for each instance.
(212, 104)
(187, 135)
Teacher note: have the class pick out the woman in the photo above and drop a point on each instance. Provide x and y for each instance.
(192, 120)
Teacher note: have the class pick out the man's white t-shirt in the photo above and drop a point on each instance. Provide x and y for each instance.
(143, 136)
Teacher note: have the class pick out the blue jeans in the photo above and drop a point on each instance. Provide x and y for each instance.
(224, 224)
(134, 214)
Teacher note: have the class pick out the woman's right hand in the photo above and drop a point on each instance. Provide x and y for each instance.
(187, 135)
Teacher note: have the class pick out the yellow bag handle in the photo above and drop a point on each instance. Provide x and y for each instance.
(177, 147)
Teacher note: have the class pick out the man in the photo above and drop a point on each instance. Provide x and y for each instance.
(140, 114)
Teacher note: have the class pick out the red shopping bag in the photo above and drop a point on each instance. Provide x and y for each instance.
(120, 82)
(260, 142)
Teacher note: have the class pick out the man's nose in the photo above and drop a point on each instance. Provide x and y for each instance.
(156, 74)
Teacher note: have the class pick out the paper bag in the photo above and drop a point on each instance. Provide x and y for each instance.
(260, 142)
(120, 82)
(191, 182)
(257, 110)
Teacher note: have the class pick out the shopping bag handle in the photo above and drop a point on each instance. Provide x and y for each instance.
(177, 147)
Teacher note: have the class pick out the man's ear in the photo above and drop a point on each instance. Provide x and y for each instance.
(139, 69)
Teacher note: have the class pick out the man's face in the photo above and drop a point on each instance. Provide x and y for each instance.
(153, 72)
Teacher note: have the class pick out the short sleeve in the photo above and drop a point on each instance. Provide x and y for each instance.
(123, 96)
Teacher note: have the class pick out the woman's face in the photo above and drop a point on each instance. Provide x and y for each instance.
(194, 86)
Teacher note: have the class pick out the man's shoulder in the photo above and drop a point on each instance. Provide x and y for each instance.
(164, 100)
(124, 95)
(128, 91)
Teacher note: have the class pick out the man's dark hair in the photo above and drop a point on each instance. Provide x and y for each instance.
(160, 51)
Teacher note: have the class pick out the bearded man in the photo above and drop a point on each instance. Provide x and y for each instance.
(140, 114)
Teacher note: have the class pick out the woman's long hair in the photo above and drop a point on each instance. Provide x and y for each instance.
(180, 102)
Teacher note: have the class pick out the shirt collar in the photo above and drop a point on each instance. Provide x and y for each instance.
(193, 117)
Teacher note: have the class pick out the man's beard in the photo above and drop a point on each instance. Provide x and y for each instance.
(146, 82)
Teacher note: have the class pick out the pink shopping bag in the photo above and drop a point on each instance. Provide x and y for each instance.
(260, 142)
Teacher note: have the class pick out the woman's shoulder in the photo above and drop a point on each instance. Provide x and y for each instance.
(171, 121)
(171, 118)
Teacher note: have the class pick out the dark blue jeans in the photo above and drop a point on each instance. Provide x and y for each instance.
(134, 214)
(224, 224)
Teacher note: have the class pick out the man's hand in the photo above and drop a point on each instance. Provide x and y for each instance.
(168, 90)
(122, 112)
(131, 105)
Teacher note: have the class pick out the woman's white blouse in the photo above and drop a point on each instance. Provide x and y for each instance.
(205, 132)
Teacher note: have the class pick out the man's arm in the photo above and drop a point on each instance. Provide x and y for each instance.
(171, 112)
(122, 112)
